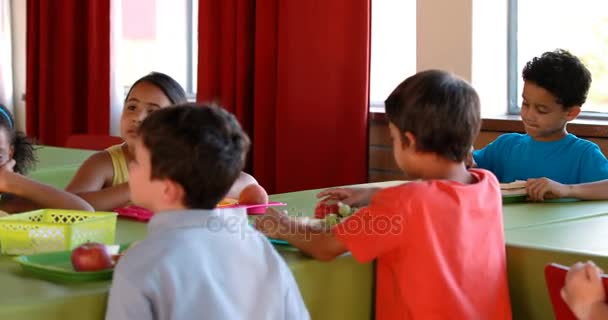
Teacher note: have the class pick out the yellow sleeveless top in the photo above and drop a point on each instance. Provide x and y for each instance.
(119, 163)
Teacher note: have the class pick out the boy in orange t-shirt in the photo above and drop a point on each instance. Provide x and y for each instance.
(438, 241)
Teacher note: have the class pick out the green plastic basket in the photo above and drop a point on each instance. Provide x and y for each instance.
(49, 230)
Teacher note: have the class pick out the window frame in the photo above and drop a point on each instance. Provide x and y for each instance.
(191, 51)
(513, 71)
(513, 106)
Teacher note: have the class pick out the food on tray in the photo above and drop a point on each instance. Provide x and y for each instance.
(517, 184)
(517, 187)
(332, 212)
(226, 202)
(94, 256)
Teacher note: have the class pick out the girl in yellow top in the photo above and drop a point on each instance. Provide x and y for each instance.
(20, 193)
(102, 180)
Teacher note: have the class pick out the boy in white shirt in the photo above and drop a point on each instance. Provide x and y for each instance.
(197, 262)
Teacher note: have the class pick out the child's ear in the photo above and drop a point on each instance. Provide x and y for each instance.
(173, 192)
(573, 112)
(409, 139)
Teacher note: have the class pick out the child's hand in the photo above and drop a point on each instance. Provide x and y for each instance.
(274, 223)
(6, 172)
(583, 289)
(543, 188)
(350, 196)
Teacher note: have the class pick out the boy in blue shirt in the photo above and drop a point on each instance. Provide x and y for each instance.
(197, 262)
(555, 88)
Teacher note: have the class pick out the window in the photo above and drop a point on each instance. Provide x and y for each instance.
(154, 35)
(468, 38)
(489, 60)
(581, 28)
(151, 35)
(393, 47)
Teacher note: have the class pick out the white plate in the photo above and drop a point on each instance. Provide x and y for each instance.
(518, 184)
(513, 192)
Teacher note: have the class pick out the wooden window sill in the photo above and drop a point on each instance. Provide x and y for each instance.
(512, 123)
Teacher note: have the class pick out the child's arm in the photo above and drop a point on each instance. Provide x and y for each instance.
(25, 194)
(90, 181)
(584, 292)
(318, 242)
(247, 190)
(539, 189)
(357, 197)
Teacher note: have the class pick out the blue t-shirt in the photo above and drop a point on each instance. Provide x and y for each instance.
(569, 160)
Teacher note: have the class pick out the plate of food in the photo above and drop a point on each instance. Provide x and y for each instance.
(331, 212)
(328, 213)
(87, 262)
(227, 202)
(514, 191)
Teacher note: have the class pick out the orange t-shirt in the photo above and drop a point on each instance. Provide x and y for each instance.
(440, 249)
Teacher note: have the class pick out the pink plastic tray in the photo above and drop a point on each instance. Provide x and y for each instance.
(142, 214)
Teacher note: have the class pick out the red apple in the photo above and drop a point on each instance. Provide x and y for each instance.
(253, 194)
(325, 207)
(91, 256)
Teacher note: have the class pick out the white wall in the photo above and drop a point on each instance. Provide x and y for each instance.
(444, 36)
(468, 38)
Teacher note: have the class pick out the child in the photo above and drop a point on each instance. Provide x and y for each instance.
(439, 241)
(584, 292)
(102, 179)
(20, 193)
(197, 261)
(555, 88)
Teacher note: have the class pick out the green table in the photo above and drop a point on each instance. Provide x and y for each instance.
(518, 215)
(341, 289)
(529, 249)
(539, 233)
(57, 166)
(536, 233)
(54, 157)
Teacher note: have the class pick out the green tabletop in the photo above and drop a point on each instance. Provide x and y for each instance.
(536, 234)
(26, 297)
(527, 214)
(56, 166)
(341, 289)
(589, 235)
(58, 177)
(54, 157)
(529, 249)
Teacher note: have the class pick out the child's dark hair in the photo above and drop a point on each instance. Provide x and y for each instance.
(562, 74)
(171, 88)
(23, 149)
(201, 147)
(439, 109)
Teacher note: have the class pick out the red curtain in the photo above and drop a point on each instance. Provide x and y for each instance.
(296, 74)
(68, 69)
